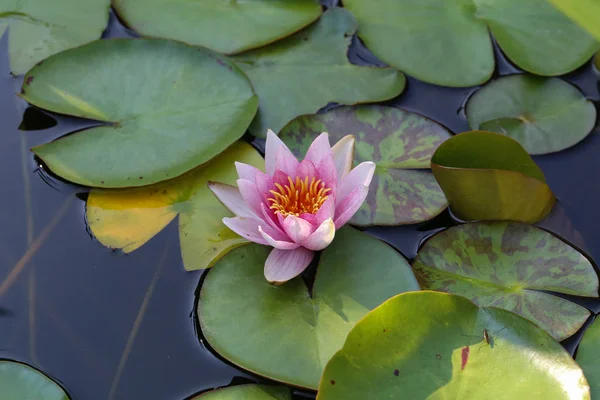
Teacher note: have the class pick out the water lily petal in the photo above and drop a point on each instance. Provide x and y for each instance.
(322, 237)
(318, 149)
(271, 148)
(271, 219)
(246, 228)
(283, 265)
(307, 169)
(251, 195)
(278, 244)
(350, 205)
(326, 211)
(232, 199)
(327, 171)
(343, 155)
(286, 162)
(361, 175)
(297, 229)
(246, 171)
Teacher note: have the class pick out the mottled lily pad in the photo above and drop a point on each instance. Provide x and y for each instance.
(224, 26)
(127, 218)
(401, 143)
(512, 266)
(427, 345)
(533, 34)
(39, 29)
(21, 382)
(166, 107)
(489, 176)
(289, 335)
(307, 71)
(588, 355)
(247, 392)
(543, 114)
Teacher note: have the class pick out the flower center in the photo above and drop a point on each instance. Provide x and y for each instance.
(298, 197)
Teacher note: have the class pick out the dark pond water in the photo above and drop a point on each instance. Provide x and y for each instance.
(113, 326)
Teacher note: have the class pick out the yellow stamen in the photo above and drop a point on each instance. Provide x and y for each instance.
(298, 197)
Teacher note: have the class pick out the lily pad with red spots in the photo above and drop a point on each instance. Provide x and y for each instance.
(513, 266)
(247, 392)
(401, 143)
(427, 345)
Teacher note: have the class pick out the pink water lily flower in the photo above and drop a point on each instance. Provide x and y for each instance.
(295, 207)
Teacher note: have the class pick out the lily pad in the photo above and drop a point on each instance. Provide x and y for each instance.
(512, 266)
(167, 108)
(588, 354)
(533, 34)
(40, 29)
(247, 392)
(289, 334)
(401, 143)
(427, 345)
(586, 13)
(127, 218)
(543, 114)
(224, 26)
(303, 73)
(21, 382)
(489, 176)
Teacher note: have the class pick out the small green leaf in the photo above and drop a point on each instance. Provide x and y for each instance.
(544, 115)
(588, 354)
(224, 26)
(247, 392)
(489, 176)
(427, 345)
(21, 382)
(167, 108)
(401, 143)
(127, 218)
(511, 266)
(39, 29)
(303, 73)
(287, 335)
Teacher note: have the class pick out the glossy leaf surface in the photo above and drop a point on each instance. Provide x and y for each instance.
(21, 382)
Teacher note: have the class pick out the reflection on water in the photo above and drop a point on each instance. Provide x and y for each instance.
(115, 326)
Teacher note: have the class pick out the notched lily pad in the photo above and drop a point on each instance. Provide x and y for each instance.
(307, 71)
(543, 114)
(224, 26)
(127, 218)
(21, 382)
(184, 106)
(512, 266)
(588, 354)
(426, 345)
(401, 143)
(247, 392)
(489, 176)
(288, 335)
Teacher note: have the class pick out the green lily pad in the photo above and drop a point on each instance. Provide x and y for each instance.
(427, 345)
(224, 26)
(588, 354)
(543, 114)
(127, 218)
(167, 108)
(533, 34)
(39, 29)
(21, 382)
(247, 392)
(512, 266)
(489, 176)
(303, 73)
(401, 143)
(289, 334)
(586, 13)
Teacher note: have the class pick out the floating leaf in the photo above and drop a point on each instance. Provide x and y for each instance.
(512, 266)
(588, 354)
(586, 13)
(168, 108)
(290, 335)
(488, 176)
(544, 115)
(40, 29)
(305, 72)
(533, 34)
(403, 190)
(21, 382)
(247, 392)
(226, 26)
(127, 218)
(427, 345)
